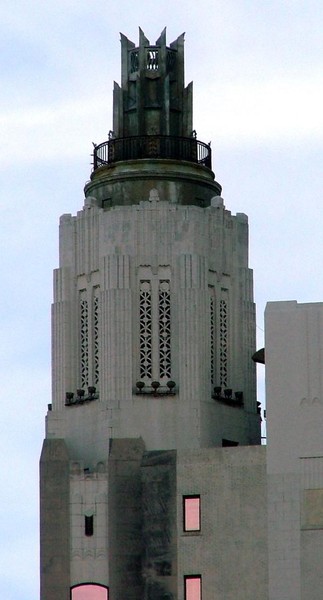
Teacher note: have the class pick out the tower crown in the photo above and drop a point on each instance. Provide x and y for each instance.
(152, 124)
(153, 103)
(153, 99)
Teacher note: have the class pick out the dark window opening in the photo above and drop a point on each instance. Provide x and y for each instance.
(227, 443)
(88, 526)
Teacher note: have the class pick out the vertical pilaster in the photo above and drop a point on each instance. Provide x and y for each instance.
(54, 521)
(62, 339)
(193, 343)
(116, 330)
(125, 519)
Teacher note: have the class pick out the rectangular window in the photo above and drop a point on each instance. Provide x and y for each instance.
(88, 525)
(193, 587)
(192, 513)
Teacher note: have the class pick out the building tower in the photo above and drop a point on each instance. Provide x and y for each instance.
(153, 333)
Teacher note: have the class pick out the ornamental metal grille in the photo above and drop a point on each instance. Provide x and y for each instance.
(223, 343)
(152, 60)
(96, 336)
(145, 329)
(164, 329)
(84, 341)
(212, 338)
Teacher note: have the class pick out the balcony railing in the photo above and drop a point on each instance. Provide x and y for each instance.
(151, 146)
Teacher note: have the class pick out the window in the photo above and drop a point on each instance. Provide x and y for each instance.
(88, 525)
(192, 513)
(89, 591)
(228, 443)
(193, 587)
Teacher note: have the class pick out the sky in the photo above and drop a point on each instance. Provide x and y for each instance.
(257, 69)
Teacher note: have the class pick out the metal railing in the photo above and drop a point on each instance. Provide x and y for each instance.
(151, 146)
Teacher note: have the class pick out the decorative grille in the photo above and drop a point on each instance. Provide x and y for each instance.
(152, 60)
(145, 330)
(164, 330)
(223, 343)
(134, 61)
(96, 336)
(212, 338)
(84, 341)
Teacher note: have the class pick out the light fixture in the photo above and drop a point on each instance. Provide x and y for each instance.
(239, 397)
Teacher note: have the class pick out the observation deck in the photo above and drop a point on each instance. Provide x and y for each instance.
(154, 147)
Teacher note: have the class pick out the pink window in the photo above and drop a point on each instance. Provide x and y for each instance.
(193, 587)
(89, 591)
(192, 513)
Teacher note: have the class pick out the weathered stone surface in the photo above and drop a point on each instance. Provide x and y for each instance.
(125, 519)
(54, 521)
(230, 550)
(159, 525)
(154, 223)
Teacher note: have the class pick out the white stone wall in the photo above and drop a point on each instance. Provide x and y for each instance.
(200, 251)
(230, 551)
(294, 390)
(89, 496)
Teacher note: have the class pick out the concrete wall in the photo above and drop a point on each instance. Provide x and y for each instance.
(202, 251)
(159, 539)
(294, 390)
(89, 498)
(54, 521)
(230, 551)
(125, 520)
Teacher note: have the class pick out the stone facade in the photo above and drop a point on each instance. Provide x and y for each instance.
(55, 521)
(230, 550)
(153, 334)
(201, 255)
(261, 508)
(294, 367)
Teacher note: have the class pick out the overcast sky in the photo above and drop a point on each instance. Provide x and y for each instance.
(257, 68)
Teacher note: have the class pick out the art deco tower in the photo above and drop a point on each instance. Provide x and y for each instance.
(153, 333)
